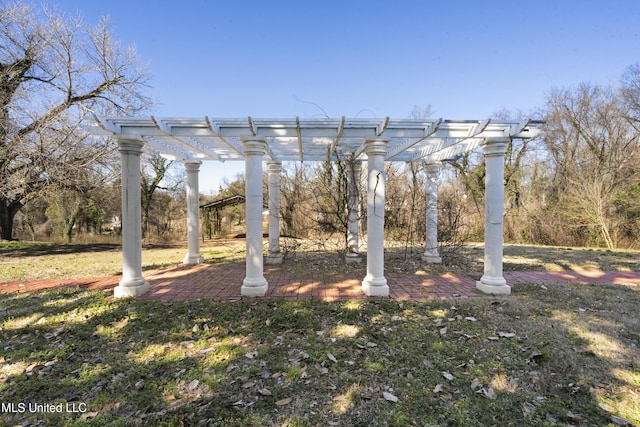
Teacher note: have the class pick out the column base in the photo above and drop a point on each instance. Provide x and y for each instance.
(131, 288)
(431, 259)
(352, 258)
(273, 258)
(493, 285)
(254, 287)
(193, 259)
(375, 287)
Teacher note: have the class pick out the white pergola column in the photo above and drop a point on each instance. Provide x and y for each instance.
(492, 282)
(431, 254)
(254, 284)
(353, 213)
(374, 283)
(193, 255)
(132, 283)
(274, 256)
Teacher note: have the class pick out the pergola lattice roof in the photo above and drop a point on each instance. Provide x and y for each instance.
(193, 139)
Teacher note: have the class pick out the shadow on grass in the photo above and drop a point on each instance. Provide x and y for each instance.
(22, 249)
(19, 249)
(529, 359)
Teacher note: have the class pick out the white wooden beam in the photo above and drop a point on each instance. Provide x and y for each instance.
(166, 148)
(430, 130)
(188, 142)
(519, 127)
(215, 129)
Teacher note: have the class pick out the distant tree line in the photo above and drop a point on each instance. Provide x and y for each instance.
(578, 184)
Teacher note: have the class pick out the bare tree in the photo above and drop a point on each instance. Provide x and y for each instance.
(53, 72)
(630, 92)
(330, 190)
(595, 152)
(155, 176)
(295, 195)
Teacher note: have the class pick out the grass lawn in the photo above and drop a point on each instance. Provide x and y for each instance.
(553, 355)
(33, 261)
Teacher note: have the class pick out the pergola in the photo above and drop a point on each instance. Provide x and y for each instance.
(254, 141)
(216, 206)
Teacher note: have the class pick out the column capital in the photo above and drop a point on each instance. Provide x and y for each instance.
(192, 165)
(130, 145)
(376, 146)
(496, 146)
(433, 168)
(274, 166)
(254, 145)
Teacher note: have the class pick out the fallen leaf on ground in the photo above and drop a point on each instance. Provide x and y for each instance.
(528, 409)
(620, 421)
(121, 324)
(488, 392)
(283, 402)
(175, 404)
(88, 415)
(390, 397)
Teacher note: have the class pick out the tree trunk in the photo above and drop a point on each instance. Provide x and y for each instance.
(8, 211)
(69, 223)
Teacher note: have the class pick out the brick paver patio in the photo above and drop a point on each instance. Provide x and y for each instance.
(223, 281)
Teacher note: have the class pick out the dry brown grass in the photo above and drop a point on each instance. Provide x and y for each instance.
(27, 261)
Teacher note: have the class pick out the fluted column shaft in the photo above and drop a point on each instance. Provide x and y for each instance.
(193, 255)
(132, 283)
(431, 254)
(374, 283)
(274, 256)
(353, 213)
(493, 282)
(254, 283)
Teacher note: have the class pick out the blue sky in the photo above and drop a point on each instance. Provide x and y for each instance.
(467, 59)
